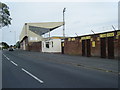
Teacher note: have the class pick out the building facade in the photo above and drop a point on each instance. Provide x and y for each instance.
(104, 45)
(31, 36)
(52, 45)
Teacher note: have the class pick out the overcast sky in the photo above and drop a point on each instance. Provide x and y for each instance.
(80, 17)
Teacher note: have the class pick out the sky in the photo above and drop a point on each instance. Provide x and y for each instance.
(80, 17)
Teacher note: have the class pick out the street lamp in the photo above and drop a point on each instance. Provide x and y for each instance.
(64, 22)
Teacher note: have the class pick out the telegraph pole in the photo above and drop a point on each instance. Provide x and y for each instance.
(64, 22)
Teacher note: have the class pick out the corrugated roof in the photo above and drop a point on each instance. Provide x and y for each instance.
(42, 28)
(48, 25)
(39, 28)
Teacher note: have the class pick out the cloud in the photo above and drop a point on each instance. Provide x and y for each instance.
(80, 17)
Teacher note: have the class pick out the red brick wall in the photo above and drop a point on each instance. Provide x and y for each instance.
(75, 47)
(72, 47)
(95, 51)
(35, 46)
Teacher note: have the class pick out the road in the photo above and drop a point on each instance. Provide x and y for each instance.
(23, 69)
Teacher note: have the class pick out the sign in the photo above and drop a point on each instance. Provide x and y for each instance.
(117, 37)
(98, 38)
(69, 39)
(118, 33)
(93, 43)
(63, 44)
(110, 34)
(102, 35)
(91, 39)
(88, 37)
(73, 39)
(83, 38)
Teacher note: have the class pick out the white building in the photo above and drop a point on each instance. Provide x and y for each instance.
(52, 45)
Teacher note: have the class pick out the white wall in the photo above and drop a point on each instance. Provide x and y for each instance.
(24, 48)
(56, 46)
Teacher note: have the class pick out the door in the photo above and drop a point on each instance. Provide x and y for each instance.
(83, 48)
(103, 47)
(62, 46)
(110, 47)
(88, 51)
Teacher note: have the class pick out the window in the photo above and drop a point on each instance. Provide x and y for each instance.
(52, 43)
(47, 44)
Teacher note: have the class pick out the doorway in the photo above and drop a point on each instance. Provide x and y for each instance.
(110, 47)
(88, 51)
(83, 48)
(103, 47)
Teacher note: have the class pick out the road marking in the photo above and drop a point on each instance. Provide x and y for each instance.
(14, 63)
(6, 57)
(32, 76)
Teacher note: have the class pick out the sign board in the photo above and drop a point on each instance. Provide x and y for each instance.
(118, 33)
(98, 38)
(88, 37)
(102, 35)
(110, 34)
(83, 38)
(93, 43)
(63, 44)
(73, 39)
(69, 39)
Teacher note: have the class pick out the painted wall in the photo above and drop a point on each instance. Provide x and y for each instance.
(32, 37)
(52, 45)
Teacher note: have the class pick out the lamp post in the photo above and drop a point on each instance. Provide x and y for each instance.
(64, 22)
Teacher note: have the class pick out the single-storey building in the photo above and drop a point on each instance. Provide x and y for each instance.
(52, 45)
(104, 45)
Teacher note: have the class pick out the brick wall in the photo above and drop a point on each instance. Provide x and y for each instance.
(95, 50)
(74, 47)
(34, 46)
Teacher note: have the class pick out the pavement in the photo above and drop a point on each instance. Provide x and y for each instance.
(107, 65)
(24, 69)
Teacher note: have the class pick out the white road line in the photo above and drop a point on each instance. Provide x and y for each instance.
(32, 76)
(6, 57)
(14, 63)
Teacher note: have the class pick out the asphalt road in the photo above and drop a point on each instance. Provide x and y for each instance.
(22, 69)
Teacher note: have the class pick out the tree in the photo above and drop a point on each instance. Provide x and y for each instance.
(5, 45)
(5, 19)
(17, 44)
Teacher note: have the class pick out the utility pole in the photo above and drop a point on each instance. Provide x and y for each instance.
(113, 28)
(64, 22)
(93, 31)
(49, 34)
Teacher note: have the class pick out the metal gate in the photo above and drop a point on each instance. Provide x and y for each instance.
(110, 41)
(88, 51)
(103, 47)
(83, 48)
(86, 48)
